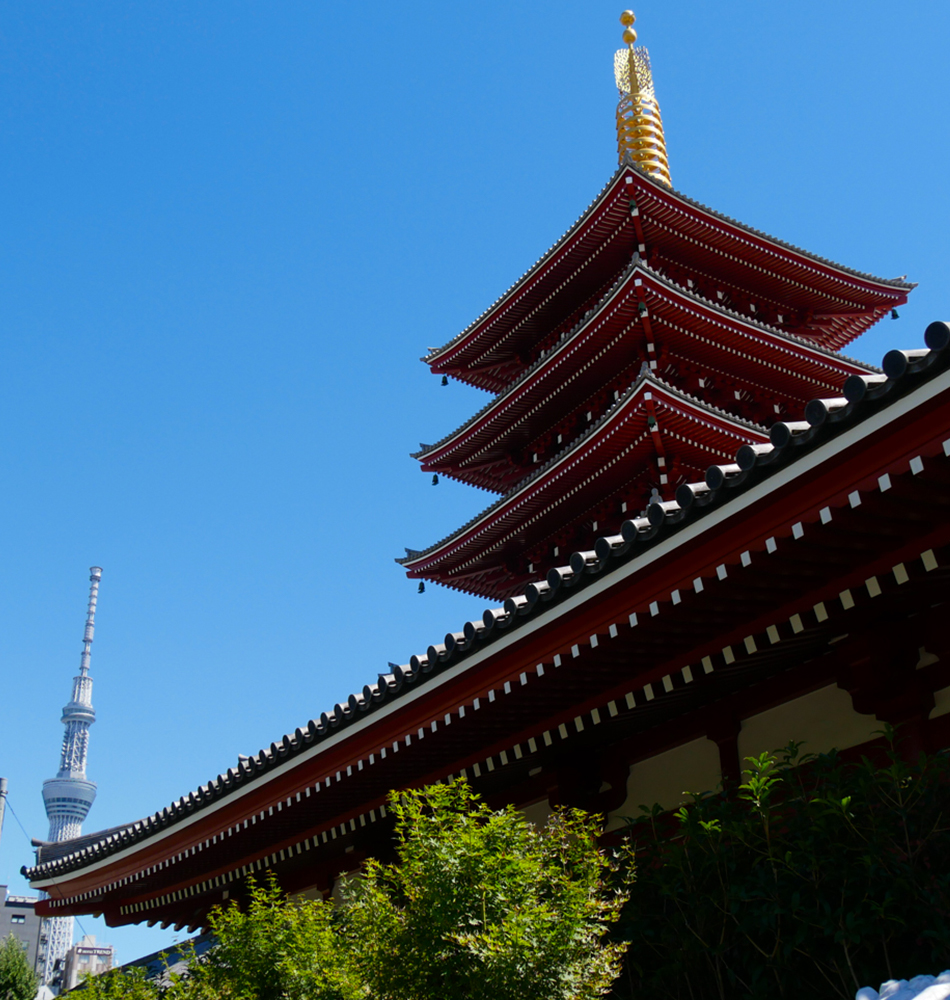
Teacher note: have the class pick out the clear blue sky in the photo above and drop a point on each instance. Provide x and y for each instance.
(229, 230)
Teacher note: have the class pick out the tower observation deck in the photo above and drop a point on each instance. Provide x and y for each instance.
(69, 796)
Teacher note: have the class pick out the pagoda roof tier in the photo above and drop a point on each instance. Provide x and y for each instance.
(494, 349)
(827, 302)
(651, 433)
(736, 601)
(731, 360)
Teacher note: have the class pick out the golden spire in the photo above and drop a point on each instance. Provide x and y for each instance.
(639, 125)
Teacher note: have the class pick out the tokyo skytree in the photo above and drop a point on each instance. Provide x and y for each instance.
(69, 796)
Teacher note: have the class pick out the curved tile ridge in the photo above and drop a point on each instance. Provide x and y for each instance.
(900, 283)
(637, 263)
(864, 395)
(574, 443)
(752, 321)
(427, 358)
(565, 337)
(702, 404)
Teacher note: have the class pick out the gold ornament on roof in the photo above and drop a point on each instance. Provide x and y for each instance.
(639, 125)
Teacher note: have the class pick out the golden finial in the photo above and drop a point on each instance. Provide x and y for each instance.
(627, 19)
(639, 125)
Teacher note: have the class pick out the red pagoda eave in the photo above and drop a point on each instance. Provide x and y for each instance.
(842, 303)
(847, 302)
(606, 349)
(651, 433)
(564, 271)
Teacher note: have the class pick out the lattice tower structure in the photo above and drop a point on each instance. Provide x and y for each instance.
(69, 796)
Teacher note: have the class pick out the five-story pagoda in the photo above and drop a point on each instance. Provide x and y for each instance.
(653, 340)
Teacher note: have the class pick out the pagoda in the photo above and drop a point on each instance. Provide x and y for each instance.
(653, 340)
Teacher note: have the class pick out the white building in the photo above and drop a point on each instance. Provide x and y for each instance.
(86, 958)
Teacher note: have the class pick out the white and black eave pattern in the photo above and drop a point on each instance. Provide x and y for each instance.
(637, 698)
(903, 371)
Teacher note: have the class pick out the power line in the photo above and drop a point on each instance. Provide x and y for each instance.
(18, 823)
(29, 840)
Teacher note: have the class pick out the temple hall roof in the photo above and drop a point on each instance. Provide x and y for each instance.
(865, 404)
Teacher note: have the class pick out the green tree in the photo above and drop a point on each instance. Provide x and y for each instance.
(480, 904)
(273, 949)
(277, 949)
(17, 979)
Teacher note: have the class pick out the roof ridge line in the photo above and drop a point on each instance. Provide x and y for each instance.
(761, 234)
(609, 413)
(538, 362)
(548, 253)
(718, 306)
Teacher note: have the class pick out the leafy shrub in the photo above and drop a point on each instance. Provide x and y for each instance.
(276, 949)
(273, 949)
(480, 904)
(815, 876)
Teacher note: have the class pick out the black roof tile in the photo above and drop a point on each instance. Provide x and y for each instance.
(752, 465)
